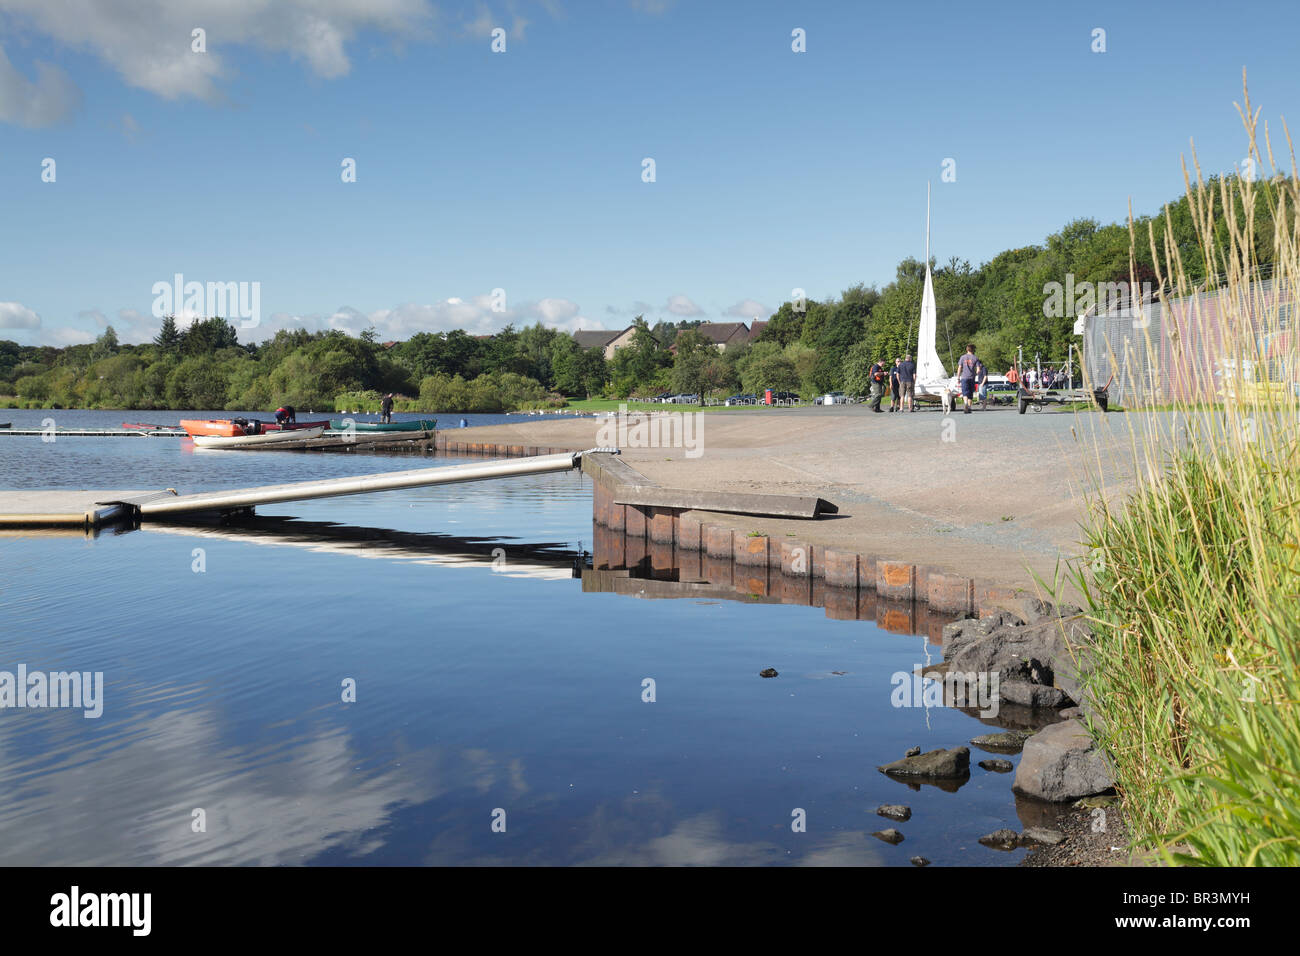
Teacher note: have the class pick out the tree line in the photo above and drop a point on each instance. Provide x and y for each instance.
(809, 347)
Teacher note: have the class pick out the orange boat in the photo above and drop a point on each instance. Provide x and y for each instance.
(223, 428)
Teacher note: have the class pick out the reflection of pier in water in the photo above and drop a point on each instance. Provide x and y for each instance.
(549, 561)
(641, 567)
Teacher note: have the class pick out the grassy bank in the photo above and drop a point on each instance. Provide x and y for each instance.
(1193, 582)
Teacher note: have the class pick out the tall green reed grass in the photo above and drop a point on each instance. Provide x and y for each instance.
(1192, 580)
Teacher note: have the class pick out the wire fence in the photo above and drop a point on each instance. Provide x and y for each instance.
(1191, 349)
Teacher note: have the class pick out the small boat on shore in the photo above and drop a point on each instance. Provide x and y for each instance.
(422, 425)
(277, 427)
(265, 438)
(222, 428)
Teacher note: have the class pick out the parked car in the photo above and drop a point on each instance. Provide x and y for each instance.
(834, 398)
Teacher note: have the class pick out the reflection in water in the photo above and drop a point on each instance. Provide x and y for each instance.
(479, 686)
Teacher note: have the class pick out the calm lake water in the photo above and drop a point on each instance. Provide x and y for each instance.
(486, 681)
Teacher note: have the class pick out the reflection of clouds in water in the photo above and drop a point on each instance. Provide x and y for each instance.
(130, 801)
(702, 841)
(645, 830)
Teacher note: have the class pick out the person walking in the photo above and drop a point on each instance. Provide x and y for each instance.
(907, 381)
(386, 409)
(895, 387)
(967, 367)
(877, 375)
(982, 384)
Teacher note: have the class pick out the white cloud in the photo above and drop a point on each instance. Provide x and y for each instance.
(749, 309)
(66, 336)
(41, 103)
(149, 41)
(15, 315)
(682, 305)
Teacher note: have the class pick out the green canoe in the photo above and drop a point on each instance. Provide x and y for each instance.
(423, 425)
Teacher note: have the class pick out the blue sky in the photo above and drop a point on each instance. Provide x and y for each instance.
(522, 170)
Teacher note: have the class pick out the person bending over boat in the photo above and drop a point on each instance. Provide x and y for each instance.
(386, 409)
(285, 415)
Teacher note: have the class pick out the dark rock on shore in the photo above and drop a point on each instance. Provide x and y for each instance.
(1007, 742)
(1060, 763)
(895, 812)
(1036, 696)
(1001, 840)
(919, 861)
(768, 672)
(936, 763)
(891, 836)
(1042, 836)
(998, 766)
(1033, 648)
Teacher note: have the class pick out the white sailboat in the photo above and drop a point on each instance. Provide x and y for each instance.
(932, 379)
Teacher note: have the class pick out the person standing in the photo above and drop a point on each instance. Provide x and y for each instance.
(1013, 377)
(877, 376)
(982, 384)
(895, 386)
(907, 381)
(386, 408)
(967, 367)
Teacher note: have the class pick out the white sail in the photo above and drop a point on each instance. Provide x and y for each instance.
(929, 369)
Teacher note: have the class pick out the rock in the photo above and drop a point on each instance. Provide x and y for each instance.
(889, 836)
(768, 672)
(1039, 653)
(998, 766)
(912, 751)
(935, 763)
(1001, 839)
(959, 634)
(1092, 803)
(1022, 610)
(895, 812)
(1069, 712)
(1059, 763)
(1043, 835)
(1034, 696)
(920, 861)
(1007, 742)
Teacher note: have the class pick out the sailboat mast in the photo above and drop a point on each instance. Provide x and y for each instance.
(927, 225)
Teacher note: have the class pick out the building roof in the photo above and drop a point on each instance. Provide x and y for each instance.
(757, 328)
(720, 333)
(596, 338)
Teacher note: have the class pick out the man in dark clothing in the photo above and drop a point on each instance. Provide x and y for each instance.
(386, 408)
(967, 367)
(878, 376)
(895, 386)
(285, 415)
(907, 382)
